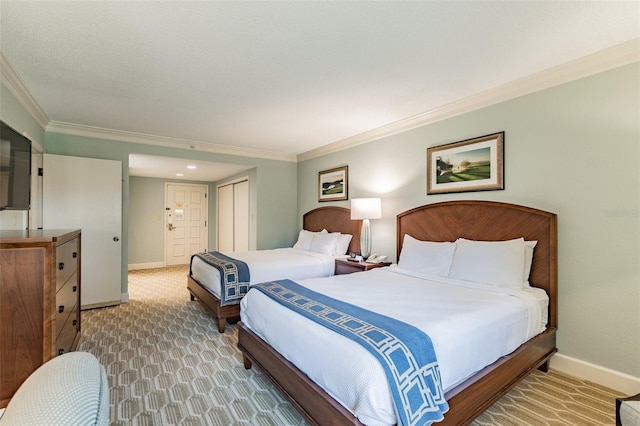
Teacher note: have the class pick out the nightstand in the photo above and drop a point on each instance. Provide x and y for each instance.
(344, 266)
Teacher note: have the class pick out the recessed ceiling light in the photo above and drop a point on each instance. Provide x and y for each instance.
(179, 174)
(192, 166)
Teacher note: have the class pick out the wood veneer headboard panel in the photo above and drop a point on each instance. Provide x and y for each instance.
(491, 221)
(334, 219)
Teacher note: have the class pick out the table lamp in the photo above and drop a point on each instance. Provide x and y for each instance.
(365, 209)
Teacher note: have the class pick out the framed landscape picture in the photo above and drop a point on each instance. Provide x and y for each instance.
(470, 165)
(333, 184)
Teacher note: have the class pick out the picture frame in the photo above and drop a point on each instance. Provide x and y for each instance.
(470, 165)
(333, 184)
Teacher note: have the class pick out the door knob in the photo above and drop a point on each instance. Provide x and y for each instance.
(171, 227)
(116, 239)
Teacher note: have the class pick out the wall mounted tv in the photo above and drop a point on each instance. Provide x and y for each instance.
(15, 169)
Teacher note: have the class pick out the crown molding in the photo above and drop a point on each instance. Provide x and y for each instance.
(124, 136)
(604, 60)
(13, 82)
(614, 57)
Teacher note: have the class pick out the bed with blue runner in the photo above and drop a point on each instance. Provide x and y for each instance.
(405, 352)
(234, 276)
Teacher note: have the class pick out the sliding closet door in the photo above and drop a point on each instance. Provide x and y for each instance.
(241, 216)
(225, 218)
(233, 216)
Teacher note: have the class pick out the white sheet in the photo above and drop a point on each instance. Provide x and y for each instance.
(471, 325)
(268, 265)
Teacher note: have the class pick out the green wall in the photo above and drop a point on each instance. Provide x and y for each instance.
(146, 220)
(276, 221)
(146, 216)
(16, 116)
(572, 150)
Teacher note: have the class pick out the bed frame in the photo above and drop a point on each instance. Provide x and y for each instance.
(446, 221)
(331, 218)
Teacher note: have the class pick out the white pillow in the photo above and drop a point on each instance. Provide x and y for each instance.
(342, 244)
(528, 259)
(304, 240)
(499, 263)
(324, 243)
(426, 257)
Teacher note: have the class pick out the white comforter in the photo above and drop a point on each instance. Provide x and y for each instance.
(268, 265)
(471, 325)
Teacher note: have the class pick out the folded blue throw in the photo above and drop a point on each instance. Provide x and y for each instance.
(234, 276)
(405, 352)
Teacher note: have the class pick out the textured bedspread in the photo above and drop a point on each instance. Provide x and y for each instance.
(405, 353)
(234, 276)
(459, 318)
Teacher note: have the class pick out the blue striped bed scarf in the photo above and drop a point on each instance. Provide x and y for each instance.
(234, 276)
(405, 352)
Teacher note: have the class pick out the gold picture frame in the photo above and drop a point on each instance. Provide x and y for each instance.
(470, 165)
(333, 184)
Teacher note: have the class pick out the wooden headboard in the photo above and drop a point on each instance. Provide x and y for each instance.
(491, 221)
(334, 219)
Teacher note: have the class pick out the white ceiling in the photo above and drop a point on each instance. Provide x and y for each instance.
(181, 169)
(286, 77)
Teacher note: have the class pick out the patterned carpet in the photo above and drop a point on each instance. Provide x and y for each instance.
(168, 365)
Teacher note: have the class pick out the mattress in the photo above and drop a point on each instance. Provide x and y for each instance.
(266, 265)
(471, 325)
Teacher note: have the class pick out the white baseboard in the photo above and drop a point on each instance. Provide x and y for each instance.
(624, 383)
(136, 266)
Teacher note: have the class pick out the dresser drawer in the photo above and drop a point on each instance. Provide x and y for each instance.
(67, 335)
(67, 256)
(39, 269)
(66, 300)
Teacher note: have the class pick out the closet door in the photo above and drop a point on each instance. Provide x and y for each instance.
(86, 193)
(225, 218)
(233, 216)
(241, 216)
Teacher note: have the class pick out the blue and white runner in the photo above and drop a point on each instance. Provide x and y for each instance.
(405, 352)
(234, 276)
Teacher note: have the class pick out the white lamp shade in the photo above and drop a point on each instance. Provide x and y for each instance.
(366, 208)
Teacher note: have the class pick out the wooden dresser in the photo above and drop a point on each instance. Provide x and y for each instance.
(39, 301)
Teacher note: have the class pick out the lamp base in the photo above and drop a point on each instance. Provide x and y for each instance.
(365, 239)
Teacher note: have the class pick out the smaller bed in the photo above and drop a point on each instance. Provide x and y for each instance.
(203, 281)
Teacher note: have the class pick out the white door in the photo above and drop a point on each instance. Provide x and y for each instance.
(241, 216)
(233, 216)
(225, 218)
(186, 222)
(86, 194)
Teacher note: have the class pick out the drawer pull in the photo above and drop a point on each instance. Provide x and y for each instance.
(61, 309)
(61, 266)
(60, 351)
(74, 322)
(75, 254)
(75, 288)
